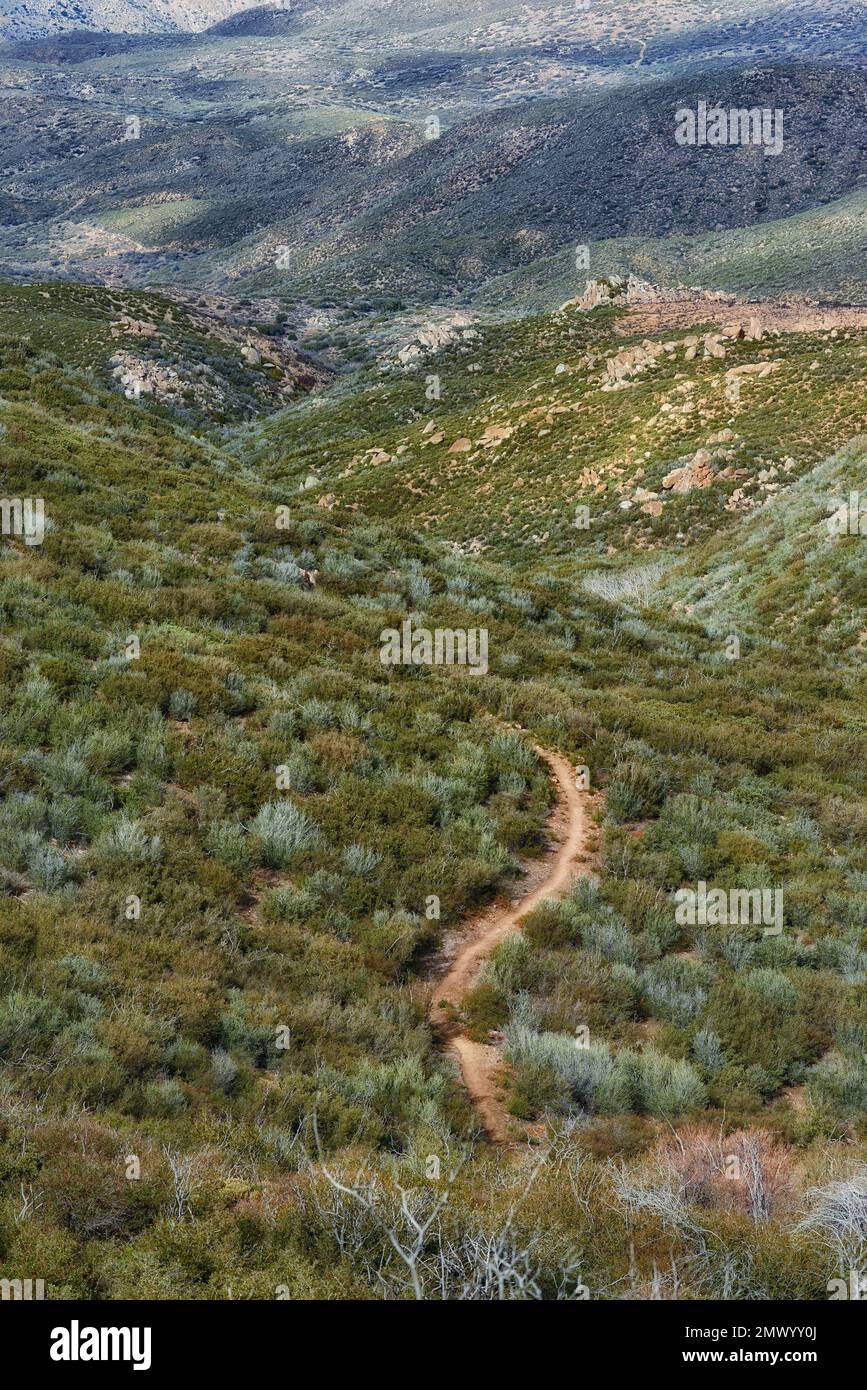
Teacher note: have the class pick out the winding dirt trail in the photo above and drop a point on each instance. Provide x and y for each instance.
(551, 876)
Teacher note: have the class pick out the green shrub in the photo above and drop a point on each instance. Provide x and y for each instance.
(283, 831)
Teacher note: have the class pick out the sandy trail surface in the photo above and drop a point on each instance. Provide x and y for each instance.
(572, 835)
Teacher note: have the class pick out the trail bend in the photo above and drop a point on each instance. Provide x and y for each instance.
(570, 856)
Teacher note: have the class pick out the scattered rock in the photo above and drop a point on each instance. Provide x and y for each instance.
(628, 363)
(494, 435)
(759, 369)
(690, 476)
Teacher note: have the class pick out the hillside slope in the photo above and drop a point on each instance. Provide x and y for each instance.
(320, 205)
(171, 351)
(797, 572)
(225, 826)
(31, 19)
(820, 252)
(577, 435)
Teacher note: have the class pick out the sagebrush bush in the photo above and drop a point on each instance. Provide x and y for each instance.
(283, 830)
(125, 844)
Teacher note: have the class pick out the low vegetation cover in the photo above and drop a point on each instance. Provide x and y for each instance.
(233, 840)
(503, 435)
(433, 520)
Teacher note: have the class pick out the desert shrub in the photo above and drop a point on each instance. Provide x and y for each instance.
(746, 1171)
(28, 1023)
(666, 1085)
(242, 1036)
(611, 940)
(150, 753)
(227, 841)
(511, 966)
(298, 771)
(840, 1083)
(538, 1089)
(125, 844)
(636, 788)
(110, 752)
(594, 1076)
(223, 1069)
(484, 1007)
(837, 1213)
(283, 830)
(843, 956)
(771, 987)
(708, 1050)
(762, 1024)
(81, 972)
(163, 1099)
(181, 705)
(396, 936)
(551, 925)
(48, 869)
(675, 990)
(360, 859)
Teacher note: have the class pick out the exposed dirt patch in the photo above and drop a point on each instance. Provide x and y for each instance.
(798, 316)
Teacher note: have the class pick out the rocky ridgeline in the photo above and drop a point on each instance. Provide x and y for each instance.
(650, 308)
(632, 290)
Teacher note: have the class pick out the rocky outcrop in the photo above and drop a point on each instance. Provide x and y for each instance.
(631, 291)
(696, 473)
(631, 361)
(126, 327)
(759, 369)
(138, 378)
(435, 336)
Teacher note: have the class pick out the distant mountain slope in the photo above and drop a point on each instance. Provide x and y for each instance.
(644, 33)
(155, 16)
(23, 19)
(499, 191)
(822, 252)
(380, 210)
